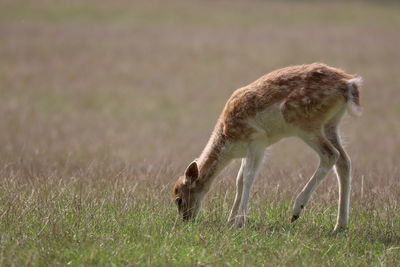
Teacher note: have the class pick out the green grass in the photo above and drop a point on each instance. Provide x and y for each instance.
(258, 13)
(115, 221)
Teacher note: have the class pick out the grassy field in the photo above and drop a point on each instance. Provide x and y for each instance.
(104, 103)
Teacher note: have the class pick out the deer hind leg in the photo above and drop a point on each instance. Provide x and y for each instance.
(239, 192)
(250, 168)
(328, 155)
(343, 173)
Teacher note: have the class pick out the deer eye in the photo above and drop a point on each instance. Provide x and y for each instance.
(178, 201)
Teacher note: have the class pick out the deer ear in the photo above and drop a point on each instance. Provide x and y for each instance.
(191, 173)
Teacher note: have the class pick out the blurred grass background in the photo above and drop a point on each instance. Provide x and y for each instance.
(126, 93)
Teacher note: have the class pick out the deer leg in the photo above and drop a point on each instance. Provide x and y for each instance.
(252, 164)
(239, 191)
(328, 156)
(343, 174)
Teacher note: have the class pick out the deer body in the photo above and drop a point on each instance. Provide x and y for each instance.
(306, 101)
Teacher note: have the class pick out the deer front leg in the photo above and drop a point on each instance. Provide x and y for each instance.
(251, 165)
(328, 156)
(239, 191)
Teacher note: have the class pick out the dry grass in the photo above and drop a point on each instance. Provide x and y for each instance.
(104, 105)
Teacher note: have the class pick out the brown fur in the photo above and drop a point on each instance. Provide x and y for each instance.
(300, 88)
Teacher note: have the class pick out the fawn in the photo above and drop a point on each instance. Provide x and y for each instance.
(306, 101)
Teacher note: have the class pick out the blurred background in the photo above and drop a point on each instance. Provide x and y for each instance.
(140, 84)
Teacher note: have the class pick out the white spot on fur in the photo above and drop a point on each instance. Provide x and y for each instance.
(316, 95)
(327, 92)
(305, 100)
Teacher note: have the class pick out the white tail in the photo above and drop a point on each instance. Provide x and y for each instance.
(353, 103)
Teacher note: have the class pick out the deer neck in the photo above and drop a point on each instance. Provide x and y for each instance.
(213, 158)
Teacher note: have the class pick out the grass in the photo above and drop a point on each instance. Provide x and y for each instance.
(91, 221)
(87, 221)
(104, 104)
(193, 14)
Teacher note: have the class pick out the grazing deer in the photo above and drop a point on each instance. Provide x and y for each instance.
(306, 101)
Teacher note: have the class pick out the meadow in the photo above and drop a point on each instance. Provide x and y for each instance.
(104, 103)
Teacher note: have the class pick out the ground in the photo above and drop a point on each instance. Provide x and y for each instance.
(105, 103)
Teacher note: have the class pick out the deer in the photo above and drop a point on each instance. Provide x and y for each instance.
(305, 101)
